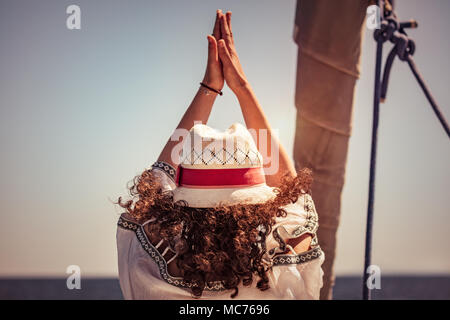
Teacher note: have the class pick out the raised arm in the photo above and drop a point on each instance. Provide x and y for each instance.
(251, 109)
(200, 107)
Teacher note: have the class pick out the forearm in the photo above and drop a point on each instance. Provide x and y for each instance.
(198, 111)
(255, 119)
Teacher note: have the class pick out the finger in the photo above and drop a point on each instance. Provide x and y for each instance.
(228, 15)
(212, 49)
(226, 34)
(224, 54)
(216, 30)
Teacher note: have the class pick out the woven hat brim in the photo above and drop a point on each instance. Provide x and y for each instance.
(209, 198)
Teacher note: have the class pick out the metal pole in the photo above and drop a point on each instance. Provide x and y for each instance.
(373, 155)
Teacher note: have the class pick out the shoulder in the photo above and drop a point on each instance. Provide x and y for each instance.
(166, 168)
(303, 208)
(165, 173)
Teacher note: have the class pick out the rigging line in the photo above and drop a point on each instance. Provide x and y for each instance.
(427, 93)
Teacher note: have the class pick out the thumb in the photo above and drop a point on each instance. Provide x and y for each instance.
(224, 55)
(212, 49)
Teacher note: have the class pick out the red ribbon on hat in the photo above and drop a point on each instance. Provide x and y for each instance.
(219, 178)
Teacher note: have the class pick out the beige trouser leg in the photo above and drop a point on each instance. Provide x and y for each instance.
(329, 37)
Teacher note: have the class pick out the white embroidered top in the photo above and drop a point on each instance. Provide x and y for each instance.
(143, 271)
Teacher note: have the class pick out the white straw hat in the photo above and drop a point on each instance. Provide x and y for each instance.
(221, 168)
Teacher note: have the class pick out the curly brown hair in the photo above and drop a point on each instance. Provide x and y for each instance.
(224, 242)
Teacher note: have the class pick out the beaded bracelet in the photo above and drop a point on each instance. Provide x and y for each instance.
(214, 90)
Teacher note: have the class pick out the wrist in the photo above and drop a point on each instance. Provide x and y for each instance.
(213, 84)
(208, 89)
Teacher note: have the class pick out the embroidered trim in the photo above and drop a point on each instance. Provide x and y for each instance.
(311, 226)
(166, 168)
(312, 220)
(299, 258)
(159, 259)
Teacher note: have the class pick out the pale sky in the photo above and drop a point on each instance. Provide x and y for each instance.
(84, 111)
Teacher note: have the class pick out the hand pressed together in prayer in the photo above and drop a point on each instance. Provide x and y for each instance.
(223, 61)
